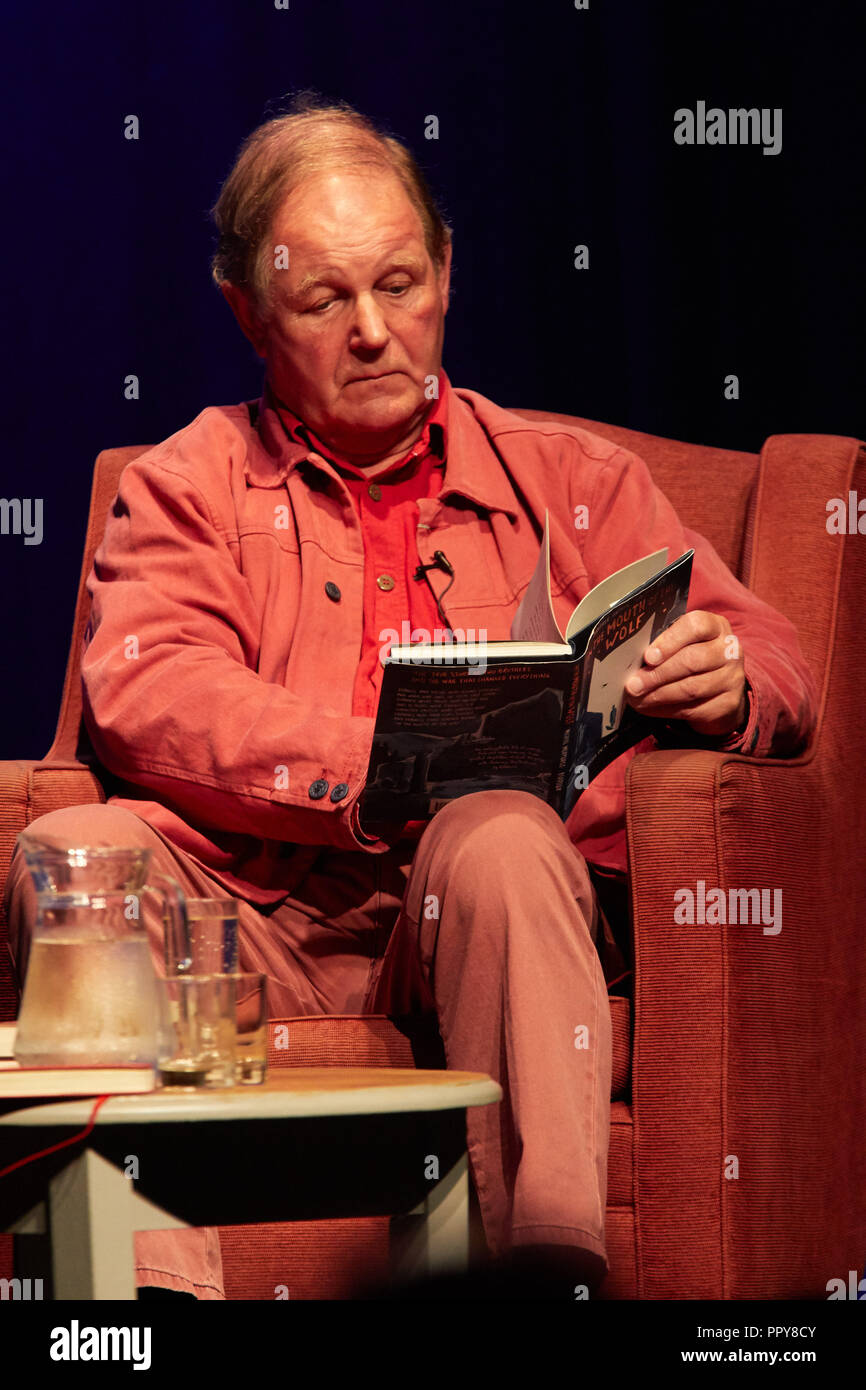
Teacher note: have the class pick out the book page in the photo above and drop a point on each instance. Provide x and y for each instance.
(473, 653)
(535, 620)
(614, 588)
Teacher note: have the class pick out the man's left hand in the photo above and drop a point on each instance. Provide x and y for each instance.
(693, 671)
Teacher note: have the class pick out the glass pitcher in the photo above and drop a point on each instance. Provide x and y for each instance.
(91, 996)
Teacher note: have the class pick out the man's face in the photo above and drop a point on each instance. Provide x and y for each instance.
(358, 318)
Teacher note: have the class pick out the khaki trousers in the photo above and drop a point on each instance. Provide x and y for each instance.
(488, 931)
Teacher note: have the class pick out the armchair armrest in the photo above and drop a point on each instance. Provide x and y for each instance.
(32, 787)
(749, 1093)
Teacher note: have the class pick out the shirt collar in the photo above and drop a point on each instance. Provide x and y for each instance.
(477, 474)
(433, 438)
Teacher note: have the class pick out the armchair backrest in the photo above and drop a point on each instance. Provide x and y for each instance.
(709, 489)
(106, 475)
(767, 516)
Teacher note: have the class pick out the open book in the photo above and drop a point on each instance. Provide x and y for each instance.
(542, 712)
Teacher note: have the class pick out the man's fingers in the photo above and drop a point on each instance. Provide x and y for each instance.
(687, 694)
(703, 715)
(697, 626)
(693, 671)
(693, 660)
(679, 706)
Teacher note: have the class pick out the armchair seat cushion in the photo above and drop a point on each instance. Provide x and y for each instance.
(373, 1040)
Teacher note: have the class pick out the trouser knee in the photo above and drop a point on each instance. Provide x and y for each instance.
(489, 845)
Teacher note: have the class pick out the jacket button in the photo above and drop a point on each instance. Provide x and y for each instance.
(375, 492)
(385, 582)
(318, 788)
(340, 791)
(332, 590)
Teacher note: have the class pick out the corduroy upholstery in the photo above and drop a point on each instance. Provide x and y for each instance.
(742, 1047)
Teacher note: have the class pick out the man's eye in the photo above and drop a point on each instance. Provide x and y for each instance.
(326, 303)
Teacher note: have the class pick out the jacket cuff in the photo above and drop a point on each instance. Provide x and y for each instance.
(743, 739)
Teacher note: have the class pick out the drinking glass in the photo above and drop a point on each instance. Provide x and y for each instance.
(251, 1039)
(211, 930)
(200, 1048)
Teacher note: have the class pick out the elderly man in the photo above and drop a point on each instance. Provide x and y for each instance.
(259, 555)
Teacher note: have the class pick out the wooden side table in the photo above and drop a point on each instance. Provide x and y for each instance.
(309, 1143)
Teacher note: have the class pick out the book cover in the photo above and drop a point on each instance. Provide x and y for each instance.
(543, 712)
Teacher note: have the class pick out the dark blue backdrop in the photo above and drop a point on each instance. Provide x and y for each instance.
(556, 128)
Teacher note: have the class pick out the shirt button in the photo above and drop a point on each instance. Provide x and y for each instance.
(332, 590)
(385, 582)
(318, 788)
(341, 790)
(375, 492)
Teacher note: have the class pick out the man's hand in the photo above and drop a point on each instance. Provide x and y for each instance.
(694, 672)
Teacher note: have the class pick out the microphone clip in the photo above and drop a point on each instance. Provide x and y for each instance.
(439, 562)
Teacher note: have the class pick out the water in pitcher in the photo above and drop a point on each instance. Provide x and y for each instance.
(91, 995)
(92, 1002)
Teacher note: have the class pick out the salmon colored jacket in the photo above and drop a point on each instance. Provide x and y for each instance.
(218, 674)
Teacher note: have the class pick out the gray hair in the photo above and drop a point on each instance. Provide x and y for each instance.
(277, 157)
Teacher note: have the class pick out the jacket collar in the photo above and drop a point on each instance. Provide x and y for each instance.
(472, 472)
(474, 469)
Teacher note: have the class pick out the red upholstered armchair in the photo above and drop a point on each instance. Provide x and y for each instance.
(734, 1044)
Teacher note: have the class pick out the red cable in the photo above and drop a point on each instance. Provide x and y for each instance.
(611, 983)
(64, 1143)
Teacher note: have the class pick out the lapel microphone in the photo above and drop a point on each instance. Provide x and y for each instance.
(439, 562)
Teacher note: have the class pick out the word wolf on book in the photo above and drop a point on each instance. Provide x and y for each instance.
(543, 711)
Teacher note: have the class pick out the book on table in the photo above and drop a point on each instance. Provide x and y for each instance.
(542, 712)
(33, 1082)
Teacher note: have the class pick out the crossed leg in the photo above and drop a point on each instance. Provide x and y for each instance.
(496, 936)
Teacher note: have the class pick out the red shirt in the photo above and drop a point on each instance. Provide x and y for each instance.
(397, 607)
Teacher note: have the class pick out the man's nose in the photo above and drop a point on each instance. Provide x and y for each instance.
(370, 329)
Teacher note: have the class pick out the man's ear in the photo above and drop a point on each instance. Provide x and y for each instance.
(242, 307)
